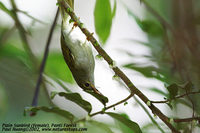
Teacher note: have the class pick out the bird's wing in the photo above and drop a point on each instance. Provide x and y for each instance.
(69, 58)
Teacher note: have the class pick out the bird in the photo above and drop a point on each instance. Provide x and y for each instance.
(77, 52)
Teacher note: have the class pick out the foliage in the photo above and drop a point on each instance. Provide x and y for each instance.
(57, 69)
(130, 124)
(173, 51)
(5, 9)
(103, 18)
(101, 126)
(55, 110)
(101, 98)
(174, 66)
(74, 97)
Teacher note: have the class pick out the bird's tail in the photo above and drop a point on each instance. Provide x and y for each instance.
(62, 10)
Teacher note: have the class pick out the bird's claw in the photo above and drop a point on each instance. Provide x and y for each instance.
(75, 24)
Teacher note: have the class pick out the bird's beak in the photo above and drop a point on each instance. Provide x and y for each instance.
(95, 90)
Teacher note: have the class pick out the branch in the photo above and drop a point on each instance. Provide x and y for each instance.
(187, 119)
(42, 66)
(106, 108)
(117, 71)
(180, 96)
(22, 33)
(31, 17)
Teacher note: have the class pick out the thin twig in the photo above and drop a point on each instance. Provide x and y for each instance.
(42, 66)
(176, 97)
(106, 108)
(117, 71)
(31, 17)
(187, 119)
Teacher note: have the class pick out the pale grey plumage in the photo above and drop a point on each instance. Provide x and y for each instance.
(78, 56)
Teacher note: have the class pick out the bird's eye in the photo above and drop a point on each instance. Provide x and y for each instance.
(87, 84)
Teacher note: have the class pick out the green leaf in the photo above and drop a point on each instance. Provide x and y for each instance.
(147, 71)
(147, 127)
(142, 43)
(62, 85)
(123, 127)
(53, 94)
(170, 105)
(151, 27)
(103, 19)
(76, 98)
(6, 10)
(11, 51)
(159, 91)
(57, 68)
(189, 86)
(101, 98)
(101, 126)
(173, 90)
(130, 124)
(55, 110)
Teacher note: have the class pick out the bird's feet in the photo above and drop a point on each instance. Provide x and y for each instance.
(75, 24)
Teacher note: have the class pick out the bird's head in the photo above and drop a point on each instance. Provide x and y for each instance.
(86, 81)
(88, 86)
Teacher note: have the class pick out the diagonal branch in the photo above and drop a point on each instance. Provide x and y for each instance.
(42, 66)
(187, 119)
(31, 17)
(176, 97)
(117, 71)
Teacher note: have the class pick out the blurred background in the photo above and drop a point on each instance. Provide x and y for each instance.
(155, 45)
